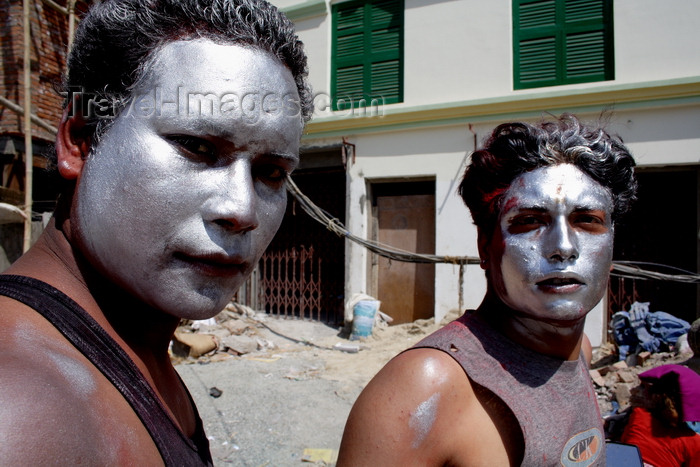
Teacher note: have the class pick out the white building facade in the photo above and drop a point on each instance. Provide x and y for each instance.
(436, 76)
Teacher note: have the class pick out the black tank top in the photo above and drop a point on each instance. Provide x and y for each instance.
(92, 340)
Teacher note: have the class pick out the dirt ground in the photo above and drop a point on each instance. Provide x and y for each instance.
(277, 404)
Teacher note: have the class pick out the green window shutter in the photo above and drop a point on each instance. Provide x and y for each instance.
(367, 54)
(538, 60)
(383, 81)
(562, 42)
(583, 10)
(585, 56)
(537, 14)
(349, 85)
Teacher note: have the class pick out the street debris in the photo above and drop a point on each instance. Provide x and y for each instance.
(320, 457)
(615, 380)
(241, 331)
(349, 348)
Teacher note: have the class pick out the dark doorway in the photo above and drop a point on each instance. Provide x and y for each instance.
(662, 231)
(302, 273)
(405, 216)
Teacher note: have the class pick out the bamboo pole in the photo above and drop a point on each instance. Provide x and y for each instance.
(28, 153)
(71, 25)
(35, 118)
(56, 6)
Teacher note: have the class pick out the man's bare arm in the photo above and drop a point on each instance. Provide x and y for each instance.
(420, 410)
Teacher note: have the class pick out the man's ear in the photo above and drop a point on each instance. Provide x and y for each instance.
(72, 144)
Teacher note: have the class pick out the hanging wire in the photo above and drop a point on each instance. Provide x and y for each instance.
(627, 269)
(631, 270)
(337, 227)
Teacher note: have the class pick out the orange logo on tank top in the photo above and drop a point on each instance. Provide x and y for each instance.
(583, 449)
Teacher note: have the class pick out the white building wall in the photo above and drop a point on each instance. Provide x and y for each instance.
(655, 39)
(456, 50)
(659, 136)
(437, 154)
(460, 52)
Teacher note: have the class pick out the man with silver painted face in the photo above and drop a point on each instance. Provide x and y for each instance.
(507, 383)
(182, 120)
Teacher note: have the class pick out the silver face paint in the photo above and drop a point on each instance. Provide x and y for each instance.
(178, 201)
(422, 419)
(552, 250)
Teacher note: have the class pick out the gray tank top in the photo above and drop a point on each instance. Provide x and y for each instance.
(552, 399)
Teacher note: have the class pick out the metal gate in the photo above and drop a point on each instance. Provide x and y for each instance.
(302, 273)
(289, 283)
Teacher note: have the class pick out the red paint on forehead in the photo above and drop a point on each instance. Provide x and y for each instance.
(512, 202)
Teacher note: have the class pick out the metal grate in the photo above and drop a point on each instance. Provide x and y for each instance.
(290, 284)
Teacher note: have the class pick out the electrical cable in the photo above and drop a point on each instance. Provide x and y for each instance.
(337, 227)
(626, 269)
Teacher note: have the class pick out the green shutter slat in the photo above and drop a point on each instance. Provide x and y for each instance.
(385, 12)
(385, 40)
(538, 60)
(585, 55)
(583, 10)
(347, 18)
(349, 45)
(538, 14)
(384, 80)
(349, 82)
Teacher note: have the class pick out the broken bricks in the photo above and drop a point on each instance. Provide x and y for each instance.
(193, 345)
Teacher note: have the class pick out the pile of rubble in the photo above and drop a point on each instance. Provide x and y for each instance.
(234, 331)
(615, 380)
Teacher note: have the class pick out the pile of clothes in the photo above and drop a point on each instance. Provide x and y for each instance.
(639, 330)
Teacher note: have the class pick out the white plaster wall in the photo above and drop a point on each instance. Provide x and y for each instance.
(656, 39)
(437, 154)
(462, 50)
(282, 4)
(315, 34)
(457, 50)
(595, 326)
(661, 136)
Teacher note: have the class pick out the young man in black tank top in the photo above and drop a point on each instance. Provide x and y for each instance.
(507, 384)
(182, 120)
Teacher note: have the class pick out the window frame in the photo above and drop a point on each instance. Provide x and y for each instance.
(365, 57)
(551, 38)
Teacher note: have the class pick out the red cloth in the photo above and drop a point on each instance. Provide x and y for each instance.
(662, 445)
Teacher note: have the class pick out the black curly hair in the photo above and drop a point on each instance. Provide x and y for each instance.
(117, 39)
(516, 148)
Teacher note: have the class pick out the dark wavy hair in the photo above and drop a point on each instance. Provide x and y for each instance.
(516, 148)
(117, 39)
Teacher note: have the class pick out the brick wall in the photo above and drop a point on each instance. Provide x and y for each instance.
(49, 39)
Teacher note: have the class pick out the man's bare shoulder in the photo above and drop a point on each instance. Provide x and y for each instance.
(420, 409)
(56, 407)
